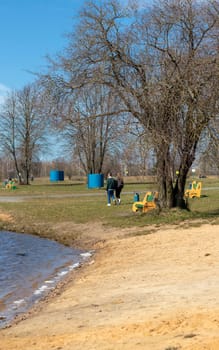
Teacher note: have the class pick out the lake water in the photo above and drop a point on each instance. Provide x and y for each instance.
(29, 268)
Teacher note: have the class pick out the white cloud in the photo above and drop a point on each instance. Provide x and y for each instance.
(140, 4)
(4, 90)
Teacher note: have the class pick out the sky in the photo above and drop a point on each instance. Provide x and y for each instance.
(30, 30)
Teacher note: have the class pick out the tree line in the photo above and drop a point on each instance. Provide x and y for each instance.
(134, 74)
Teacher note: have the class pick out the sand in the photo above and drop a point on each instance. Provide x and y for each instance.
(158, 291)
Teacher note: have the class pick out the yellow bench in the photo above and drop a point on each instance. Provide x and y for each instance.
(194, 190)
(148, 203)
(10, 185)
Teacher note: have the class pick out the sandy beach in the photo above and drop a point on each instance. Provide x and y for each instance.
(156, 291)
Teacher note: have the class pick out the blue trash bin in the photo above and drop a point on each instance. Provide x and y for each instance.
(95, 181)
(56, 175)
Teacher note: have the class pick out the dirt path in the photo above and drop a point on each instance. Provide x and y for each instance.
(151, 292)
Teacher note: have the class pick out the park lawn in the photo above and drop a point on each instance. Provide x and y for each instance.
(139, 278)
(72, 209)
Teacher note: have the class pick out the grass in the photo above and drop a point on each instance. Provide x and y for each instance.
(47, 206)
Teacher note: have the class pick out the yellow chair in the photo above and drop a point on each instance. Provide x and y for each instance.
(10, 185)
(194, 190)
(148, 203)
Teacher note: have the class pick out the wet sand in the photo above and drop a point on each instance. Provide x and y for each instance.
(154, 292)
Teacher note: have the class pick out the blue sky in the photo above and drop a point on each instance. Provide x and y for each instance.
(29, 30)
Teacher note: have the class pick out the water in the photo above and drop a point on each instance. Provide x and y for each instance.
(29, 268)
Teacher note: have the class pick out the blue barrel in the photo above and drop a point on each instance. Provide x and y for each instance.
(95, 181)
(56, 175)
(136, 197)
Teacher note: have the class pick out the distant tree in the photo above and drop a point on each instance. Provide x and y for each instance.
(23, 128)
(9, 134)
(209, 149)
(87, 121)
(92, 128)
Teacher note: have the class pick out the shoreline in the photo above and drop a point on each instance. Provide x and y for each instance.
(60, 287)
(154, 291)
(59, 282)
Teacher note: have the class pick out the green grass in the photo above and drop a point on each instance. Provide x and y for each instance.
(76, 204)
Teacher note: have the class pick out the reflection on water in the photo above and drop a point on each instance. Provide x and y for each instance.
(29, 267)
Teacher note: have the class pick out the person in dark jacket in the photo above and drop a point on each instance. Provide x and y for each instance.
(110, 188)
(119, 187)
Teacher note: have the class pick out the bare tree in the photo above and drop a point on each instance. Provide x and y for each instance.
(9, 135)
(209, 149)
(161, 64)
(87, 118)
(23, 128)
(90, 127)
(181, 37)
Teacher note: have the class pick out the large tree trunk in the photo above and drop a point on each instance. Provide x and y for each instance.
(179, 190)
(164, 178)
(171, 192)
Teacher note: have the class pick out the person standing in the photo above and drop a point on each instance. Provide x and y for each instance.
(110, 188)
(119, 187)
